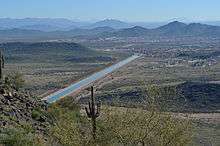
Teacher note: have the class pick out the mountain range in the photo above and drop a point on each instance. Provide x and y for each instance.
(61, 24)
(58, 24)
(175, 28)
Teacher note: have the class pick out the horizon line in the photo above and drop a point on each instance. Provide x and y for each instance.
(97, 20)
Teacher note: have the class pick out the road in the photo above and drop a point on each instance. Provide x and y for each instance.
(85, 82)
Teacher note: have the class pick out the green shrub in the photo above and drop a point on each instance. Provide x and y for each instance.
(121, 126)
(36, 114)
(19, 137)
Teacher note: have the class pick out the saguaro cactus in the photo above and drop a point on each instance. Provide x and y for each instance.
(93, 112)
(2, 64)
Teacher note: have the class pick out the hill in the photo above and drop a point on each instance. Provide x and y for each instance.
(16, 108)
(193, 29)
(45, 51)
(28, 34)
(41, 27)
(131, 32)
(22, 117)
(110, 28)
(57, 24)
(50, 66)
(198, 97)
(87, 32)
(173, 29)
(20, 34)
(116, 24)
(185, 97)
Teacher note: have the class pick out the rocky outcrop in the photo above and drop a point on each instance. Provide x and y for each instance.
(17, 109)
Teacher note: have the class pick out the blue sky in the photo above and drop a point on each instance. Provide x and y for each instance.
(128, 10)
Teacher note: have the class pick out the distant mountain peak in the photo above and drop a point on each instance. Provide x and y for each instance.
(110, 20)
(103, 29)
(176, 23)
(172, 27)
(197, 24)
(139, 28)
(113, 23)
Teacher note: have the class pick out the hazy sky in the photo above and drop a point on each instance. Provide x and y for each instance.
(129, 10)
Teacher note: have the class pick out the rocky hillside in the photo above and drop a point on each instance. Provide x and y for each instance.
(184, 97)
(198, 97)
(19, 109)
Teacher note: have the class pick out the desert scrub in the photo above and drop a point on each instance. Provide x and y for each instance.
(149, 126)
(70, 128)
(139, 127)
(20, 136)
(122, 126)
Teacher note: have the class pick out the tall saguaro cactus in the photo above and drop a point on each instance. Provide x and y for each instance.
(93, 112)
(2, 64)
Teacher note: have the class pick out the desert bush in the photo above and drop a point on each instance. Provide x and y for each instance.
(70, 128)
(122, 126)
(147, 126)
(14, 136)
(140, 127)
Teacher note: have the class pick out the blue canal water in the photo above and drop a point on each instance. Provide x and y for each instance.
(85, 82)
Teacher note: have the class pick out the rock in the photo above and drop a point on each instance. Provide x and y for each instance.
(2, 91)
(10, 94)
(18, 107)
